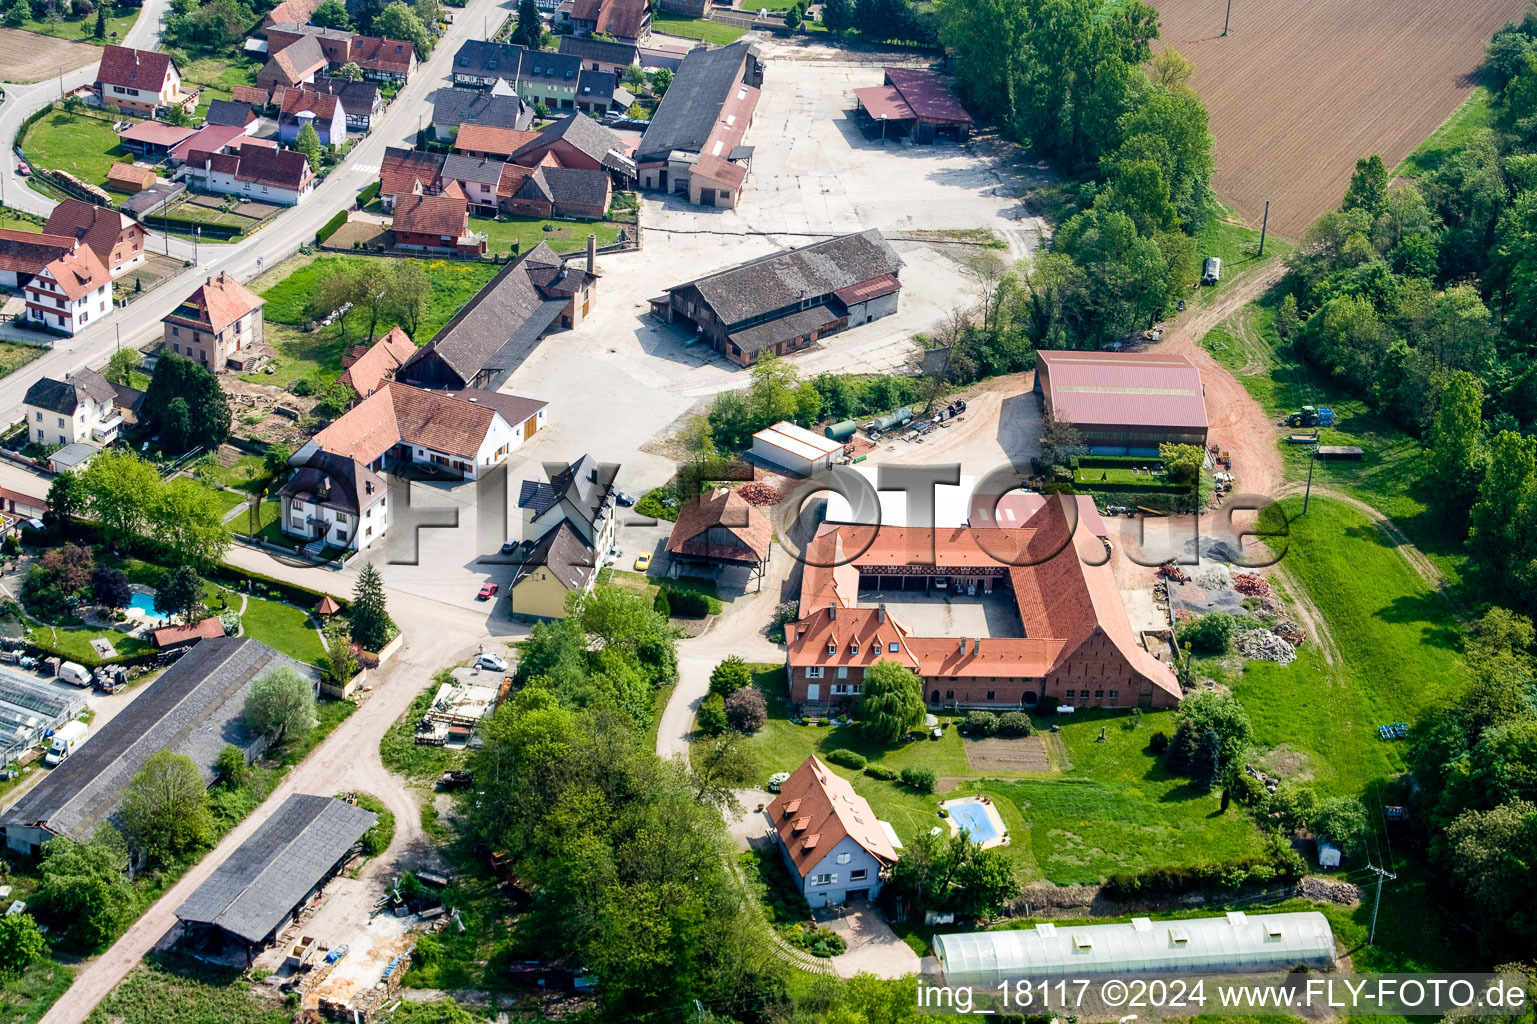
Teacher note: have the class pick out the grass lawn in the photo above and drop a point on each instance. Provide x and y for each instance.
(82, 30)
(696, 28)
(14, 355)
(76, 643)
(643, 585)
(16, 221)
(281, 627)
(1475, 113)
(24, 999)
(201, 214)
(564, 237)
(228, 500)
(84, 146)
(244, 473)
(216, 78)
(1107, 475)
(1237, 245)
(170, 987)
(267, 526)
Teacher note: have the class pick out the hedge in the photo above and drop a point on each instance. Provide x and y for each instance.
(293, 593)
(880, 771)
(1114, 461)
(331, 227)
(687, 604)
(1157, 883)
(182, 224)
(847, 758)
(369, 192)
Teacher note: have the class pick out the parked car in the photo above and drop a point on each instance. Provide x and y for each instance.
(494, 662)
(22, 168)
(487, 592)
(509, 547)
(643, 561)
(625, 499)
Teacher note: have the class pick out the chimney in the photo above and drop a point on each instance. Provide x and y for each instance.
(963, 645)
(208, 282)
(592, 254)
(832, 609)
(880, 614)
(976, 647)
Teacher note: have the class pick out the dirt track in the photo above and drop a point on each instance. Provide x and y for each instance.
(1298, 91)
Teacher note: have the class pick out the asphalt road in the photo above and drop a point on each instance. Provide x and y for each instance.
(138, 324)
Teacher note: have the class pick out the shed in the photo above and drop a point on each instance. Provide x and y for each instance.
(262, 886)
(130, 178)
(795, 448)
(1236, 942)
(72, 456)
(1328, 854)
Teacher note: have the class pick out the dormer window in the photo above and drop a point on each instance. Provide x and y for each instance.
(832, 648)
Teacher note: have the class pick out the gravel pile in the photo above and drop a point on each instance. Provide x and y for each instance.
(760, 494)
(1265, 646)
(1213, 577)
(1326, 890)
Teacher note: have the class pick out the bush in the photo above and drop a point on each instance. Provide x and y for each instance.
(1158, 743)
(711, 719)
(1014, 723)
(1210, 634)
(1249, 791)
(1281, 863)
(369, 193)
(661, 605)
(880, 771)
(378, 838)
(730, 676)
(687, 604)
(746, 710)
(922, 779)
(847, 758)
(330, 227)
(981, 723)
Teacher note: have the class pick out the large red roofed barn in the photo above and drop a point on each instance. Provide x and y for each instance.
(1124, 403)
(914, 102)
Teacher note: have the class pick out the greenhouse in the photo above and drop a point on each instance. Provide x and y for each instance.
(1237, 942)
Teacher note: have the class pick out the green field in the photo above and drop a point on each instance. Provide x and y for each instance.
(84, 146)
(1229, 239)
(82, 30)
(564, 237)
(216, 78)
(696, 28)
(1474, 114)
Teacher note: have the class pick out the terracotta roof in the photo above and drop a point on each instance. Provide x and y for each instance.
(827, 810)
(94, 227)
(397, 412)
(325, 106)
(218, 302)
(401, 169)
(280, 168)
(297, 12)
(1113, 388)
(297, 61)
(207, 629)
(79, 273)
(858, 637)
(513, 178)
(209, 139)
(884, 100)
(394, 56)
(130, 177)
(27, 252)
(251, 94)
(366, 368)
(867, 290)
(486, 138)
(716, 169)
(721, 526)
(134, 69)
(625, 19)
(327, 605)
(156, 133)
(583, 133)
(432, 214)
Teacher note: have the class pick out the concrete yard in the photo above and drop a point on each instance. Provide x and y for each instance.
(939, 614)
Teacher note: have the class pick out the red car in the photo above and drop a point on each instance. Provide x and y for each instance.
(22, 168)
(486, 592)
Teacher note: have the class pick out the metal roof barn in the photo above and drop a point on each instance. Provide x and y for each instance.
(1236, 942)
(1124, 402)
(795, 448)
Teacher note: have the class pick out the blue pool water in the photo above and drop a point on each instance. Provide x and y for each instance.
(146, 604)
(973, 817)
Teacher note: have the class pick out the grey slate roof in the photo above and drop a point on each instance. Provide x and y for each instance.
(573, 186)
(228, 112)
(597, 86)
(586, 135)
(603, 50)
(484, 169)
(269, 874)
(195, 708)
(692, 104)
(65, 396)
(347, 485)
(152, 199)
(782, 279)
(545, 66)
(358, 98)
(481, 59)
(561, 550)
(587, 484)
(456, 107)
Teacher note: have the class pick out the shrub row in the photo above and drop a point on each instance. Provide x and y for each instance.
(880, 771)
(1283, 865)
(1113, 461)
(847, 758)
(922, 779)
(687, 604)
(293, 593)
(187, 226)
(985, 723)
(369, 193)
(330, 227)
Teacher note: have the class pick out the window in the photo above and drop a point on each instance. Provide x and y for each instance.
(831, 879)
(39, 417)
(843, 673)
(1114, 694)
(858, 875)
(176, 332)
(832, 648)
(1071, 694)
(1099, 694)
(813, 671)
(949, 695)
(61, 421)
(341, 517)
(989, 694)
(844, 858)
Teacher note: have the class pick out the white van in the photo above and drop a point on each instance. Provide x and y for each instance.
(65, 741)
(73, 673)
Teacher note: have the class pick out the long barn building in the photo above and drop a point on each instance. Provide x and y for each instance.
(1124, 403)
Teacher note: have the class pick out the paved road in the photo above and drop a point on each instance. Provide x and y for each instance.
(139, 323)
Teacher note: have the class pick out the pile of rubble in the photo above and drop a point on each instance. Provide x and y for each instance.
(1213, 577)
(1327, 890)
(1250, 585)
(1270, 782)
(760, 495)
(1265, 646)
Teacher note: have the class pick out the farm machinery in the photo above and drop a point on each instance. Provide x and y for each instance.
(1323, 416)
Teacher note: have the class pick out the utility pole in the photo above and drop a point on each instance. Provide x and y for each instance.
(1263, 224)
(1228, 17)
(1382, 873)
(196, 231)
(1312, 457)
(61, 83)
(119, 338)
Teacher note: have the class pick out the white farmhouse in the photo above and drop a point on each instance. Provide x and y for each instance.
(81, 407)
(70, 292)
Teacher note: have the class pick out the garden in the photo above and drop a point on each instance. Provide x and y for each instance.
(83, 144)
(696, 28)
(14, 355)
(523, 233)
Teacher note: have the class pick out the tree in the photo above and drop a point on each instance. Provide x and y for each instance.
(530, 26)
(953, 873)
(635, 78)
(338, 664)
(984, 883)
(1182, 462)
(406, 294)
(711, 719)
(100, 30)
(331, 14)
(1212, 633)
(187, 519)
(120, 489)
(892, 702)
(372, 627)
(1060, 441)
(719, 766)
(1456, 460)
(275, 459)
(1343, 821)
(207, 407)
(1221, 713)
(1170, 69)
(746, 710)
(1368, 185)
(661, 81)
(1491, 855)
(698, 439)
(281, 706)
(795, 16)
(431, 13)
(83, 889)
(21, 944)
(110, 588)
(310, 145)
(180, 593)
(350, 72)
(397, 21)
(66, 500)
(730, 676)
(1206, 766)
(123, 365)
(838, 15)
(165, 811)
(231, 768)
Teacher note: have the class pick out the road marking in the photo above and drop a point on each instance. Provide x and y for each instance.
(365, 168)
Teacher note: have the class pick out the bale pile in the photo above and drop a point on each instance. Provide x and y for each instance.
(1265, 646)
(1250, 585)
(760, 494)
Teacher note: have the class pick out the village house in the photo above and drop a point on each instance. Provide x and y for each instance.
(307, 106)
(436, 222)
(626, 21)
(500, 107)
(480, 64)
(548, 569)
(209, 139)
(380, 59)
(219, 326)
(402, 170)
(601, 54)
(361, 101)
(835, 847)
(788, 301)
(81, 407)
(141, 82)
(547, 192)
(484, 140)
(70, 292)
(694, 143)
(297, 61)
(24, 253)
(334, 500)
(116, 238)
(476, 178)
(492, 335)
(582, 496)
(280, 176)
(367, 367)
(578, 142)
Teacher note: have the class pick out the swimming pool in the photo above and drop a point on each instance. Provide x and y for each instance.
(978, 817)
(144, 604)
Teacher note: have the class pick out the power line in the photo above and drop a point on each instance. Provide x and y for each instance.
(1382, 873)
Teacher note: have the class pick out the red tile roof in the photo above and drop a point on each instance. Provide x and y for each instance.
(884, 100)
(252, 94)
(280, 168)
(79, 273)
(27, 252)
(725, 172)
(325, 106)
(133, 69)
(927, 95)
(721, 526)
(826, 811)
(624, 19)
(218, 302)
(394, 56)
(297, 12)
(130, 177)
(208, 629)
(487, 138)
(432, 214)
(96, 227)
(368, 367)
(398, 412)
(864, 291)
(156, 133)
(1114, 388)
(209, 139)
(401, 169)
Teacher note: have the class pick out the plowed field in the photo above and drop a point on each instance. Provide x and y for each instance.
(29, 57)
(1300, 88)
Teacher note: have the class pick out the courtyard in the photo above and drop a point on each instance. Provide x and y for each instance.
(945, 613)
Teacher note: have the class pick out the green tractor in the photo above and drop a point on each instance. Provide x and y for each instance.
(1323, 416)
